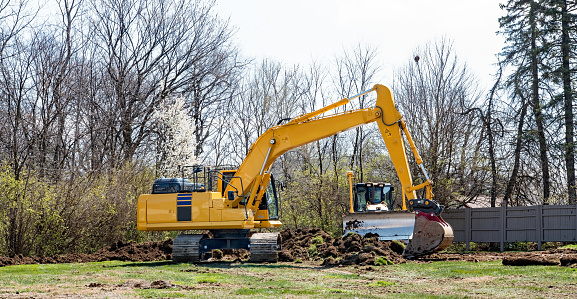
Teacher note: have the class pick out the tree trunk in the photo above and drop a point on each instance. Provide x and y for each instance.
(513, 179)
(537, 109)
(568, 101)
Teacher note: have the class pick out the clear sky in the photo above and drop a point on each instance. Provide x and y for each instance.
(298, 31)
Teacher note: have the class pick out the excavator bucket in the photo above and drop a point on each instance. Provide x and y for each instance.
(431, 234)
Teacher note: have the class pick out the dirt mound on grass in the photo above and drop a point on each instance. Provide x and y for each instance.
(351, 249)
(529, 259)
(121, 251)
(563, 257)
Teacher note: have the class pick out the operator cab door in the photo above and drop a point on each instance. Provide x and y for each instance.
(270, 202)
(362, 193)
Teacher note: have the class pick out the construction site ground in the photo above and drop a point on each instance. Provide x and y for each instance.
(311, 264)
(311, 245)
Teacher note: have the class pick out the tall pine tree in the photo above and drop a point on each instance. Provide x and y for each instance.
(523, 28)
(560, 29)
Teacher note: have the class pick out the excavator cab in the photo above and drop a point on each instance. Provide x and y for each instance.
(373, 197)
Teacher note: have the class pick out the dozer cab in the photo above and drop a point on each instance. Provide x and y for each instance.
(372, 197)
(245, 198)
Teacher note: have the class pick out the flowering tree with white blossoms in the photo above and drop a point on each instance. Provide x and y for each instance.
(175, 130)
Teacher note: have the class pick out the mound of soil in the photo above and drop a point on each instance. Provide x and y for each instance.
(563, 257)
(529, 259)
(121, 251)
(352, 249)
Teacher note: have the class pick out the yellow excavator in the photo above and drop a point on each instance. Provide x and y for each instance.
(246, 198)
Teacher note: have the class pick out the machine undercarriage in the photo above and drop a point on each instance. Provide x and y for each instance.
(263, 247)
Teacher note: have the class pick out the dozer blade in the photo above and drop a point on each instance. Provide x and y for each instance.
(389, 225)
(431, 234)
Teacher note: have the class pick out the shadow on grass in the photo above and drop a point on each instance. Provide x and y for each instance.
(221, 264)
(142, 264)
(232, 265)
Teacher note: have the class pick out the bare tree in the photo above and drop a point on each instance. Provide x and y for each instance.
(272, 93)
(356, 71)
(147, 58)
(432, 91)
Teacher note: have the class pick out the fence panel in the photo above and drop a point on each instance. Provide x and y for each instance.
(514, 224)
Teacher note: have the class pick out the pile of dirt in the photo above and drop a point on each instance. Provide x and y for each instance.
(352, 249)
(563, 257)
(121, 251)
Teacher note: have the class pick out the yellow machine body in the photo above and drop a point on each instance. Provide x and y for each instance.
(163, 211)
(236, 203)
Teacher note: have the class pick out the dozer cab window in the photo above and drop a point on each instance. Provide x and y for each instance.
(378, 195)
(361, 195)
(388, 196)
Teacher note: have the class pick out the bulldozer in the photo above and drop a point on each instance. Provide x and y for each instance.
(372, 212)
(228, 204)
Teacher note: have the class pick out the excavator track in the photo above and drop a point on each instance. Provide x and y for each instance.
(186, 248)
(431, 234)
(264, 247)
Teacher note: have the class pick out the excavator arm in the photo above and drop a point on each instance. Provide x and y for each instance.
(430, 233)
(280, 139)
(310, 127)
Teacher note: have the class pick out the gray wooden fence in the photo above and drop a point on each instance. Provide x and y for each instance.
(514, 224)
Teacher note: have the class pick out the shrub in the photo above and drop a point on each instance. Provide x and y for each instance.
(313, 250)
(382, 261)
(318, 240)
(80, 213)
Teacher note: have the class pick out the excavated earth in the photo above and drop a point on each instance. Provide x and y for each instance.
(150, 251)
(313, 245)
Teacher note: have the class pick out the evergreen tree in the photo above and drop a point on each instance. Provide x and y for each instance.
(523, 27)
(560, 25)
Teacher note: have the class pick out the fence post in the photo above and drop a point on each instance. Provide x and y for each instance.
(503, 230)
(467, 228)
(539, 225)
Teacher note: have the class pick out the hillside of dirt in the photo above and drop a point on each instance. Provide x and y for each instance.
(121, 251)
(309, 244)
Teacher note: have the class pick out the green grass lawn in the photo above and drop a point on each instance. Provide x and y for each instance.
(220, 280)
